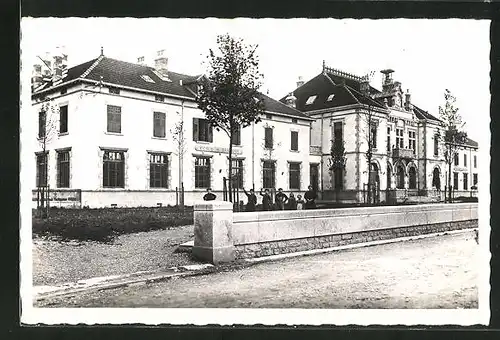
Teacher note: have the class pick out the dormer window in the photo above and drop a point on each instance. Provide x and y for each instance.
(310, 100)
(330, 97)
(147, 78)
(163, 77)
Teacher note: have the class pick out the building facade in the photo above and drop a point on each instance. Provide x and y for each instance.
(113, 133)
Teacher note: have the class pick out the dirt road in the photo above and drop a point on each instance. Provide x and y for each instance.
(438, 272)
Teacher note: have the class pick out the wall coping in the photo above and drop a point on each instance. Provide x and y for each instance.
(212, 206)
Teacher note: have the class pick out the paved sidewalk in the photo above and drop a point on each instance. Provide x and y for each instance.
(438, 272)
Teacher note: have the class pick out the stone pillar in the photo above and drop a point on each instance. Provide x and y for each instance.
(213, 240)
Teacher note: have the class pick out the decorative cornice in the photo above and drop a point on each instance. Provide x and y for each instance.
(341, 73)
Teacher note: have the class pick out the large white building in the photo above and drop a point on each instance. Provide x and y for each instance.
(111, 141)
(108, 128)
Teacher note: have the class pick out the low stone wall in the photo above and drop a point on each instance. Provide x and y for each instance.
(222, 236)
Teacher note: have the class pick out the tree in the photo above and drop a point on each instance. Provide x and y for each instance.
(337, 160)
(229, 93)
(453, 135)
(178, 135)
(47, 131)
(368, 129)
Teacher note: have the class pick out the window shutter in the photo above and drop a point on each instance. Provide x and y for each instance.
(195, 129)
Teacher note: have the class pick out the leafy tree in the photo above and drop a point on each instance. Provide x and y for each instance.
(453, 135)
(178, 135)
(337, 159)
(229, 93)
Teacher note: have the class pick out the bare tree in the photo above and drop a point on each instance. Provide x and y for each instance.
(453, 136)
(178, 135)
(368, 130)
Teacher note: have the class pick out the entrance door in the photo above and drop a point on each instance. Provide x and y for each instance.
(314, 176)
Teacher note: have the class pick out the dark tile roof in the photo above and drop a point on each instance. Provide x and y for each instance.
(421, 114)
(122, 73)
(471, 143)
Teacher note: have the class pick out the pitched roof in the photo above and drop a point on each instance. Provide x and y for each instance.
(471, 143)
(421, 114)
(122, 73)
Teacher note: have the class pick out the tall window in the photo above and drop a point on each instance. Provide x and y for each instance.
(268, 138)
(465, 159)
(63, 119)
(268, 174)
(455, 180)
(412, 178)
(436, 145)
(114, 119)
(466, 181)
(400, 177)
(337, 132)
(113, 169)
(373, 134)
(294, 140)
(475, 161)
(294, 172)
(159, 124)
(42, 123)
(237, 173)
(41, 169)
(412, 140)
(202, 130)
(158, 170)
(388, 139)
(399, 138)
(237, 135)
(474, 179)
(63, 169)
(202, 172)
(455, 158)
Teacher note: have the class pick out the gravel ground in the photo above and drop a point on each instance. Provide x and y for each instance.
(438, 272)
(56, 262)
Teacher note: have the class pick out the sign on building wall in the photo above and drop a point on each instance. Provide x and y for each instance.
(216, 149)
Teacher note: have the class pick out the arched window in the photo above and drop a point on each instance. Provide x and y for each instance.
(436, 180)
(412, 173)
(389, 176)
(400, 174)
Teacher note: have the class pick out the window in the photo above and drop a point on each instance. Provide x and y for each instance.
(147, 78)
(373, 133)
(63, 91)
(237, 173)
(63, 169)
(455, 158)
(41, 169)
(475, 161)
(268, 174)
(113, 169)
(399, 138)
(202, 172)
(474, 179)
(237, 135)
(436, 145)
(158, 170)
(294, 140)
(63, 119)
(466, 181)
(455, 180)
(268, 138)
(114, 90)
(330, 97)
(114, 119)
(268, 116)
(337, 132)
(159, 124)
(465, 160)
(159, 98)
(202, 130)
(310, 100)
(388, 139)
(42, 123)
(294, 120)
(412, 140)
(294, 172)
(412, 178)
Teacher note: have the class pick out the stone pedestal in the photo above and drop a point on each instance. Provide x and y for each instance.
(213, 240)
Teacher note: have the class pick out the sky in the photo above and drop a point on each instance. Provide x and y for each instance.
(428, 56)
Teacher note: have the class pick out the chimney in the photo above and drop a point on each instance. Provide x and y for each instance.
(141, 60)
(407, 100)
(300, 82)
(161, 63)
(60, 64)
(387, 82)
(290, 100)
(36, 76)
(364, 86)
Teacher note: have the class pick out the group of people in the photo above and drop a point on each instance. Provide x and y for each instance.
(282, 201)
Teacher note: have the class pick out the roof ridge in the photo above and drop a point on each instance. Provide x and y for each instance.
(348, 90)
(94, 65)
(369, 98)
(328, 77)
(278, 101)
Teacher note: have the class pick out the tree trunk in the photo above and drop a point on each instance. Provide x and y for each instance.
(449, 181)
(230, 170)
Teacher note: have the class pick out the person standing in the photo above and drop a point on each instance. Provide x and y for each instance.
(310, 197)
(252, 200)
(292, 202)
(300, 202)
(281, 199)
(266, 200)
(209, 196)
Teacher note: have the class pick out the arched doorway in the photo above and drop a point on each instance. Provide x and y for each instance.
(400, 177)
(412, 178)
(389, 176)
(374, 182)
(436, 180)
